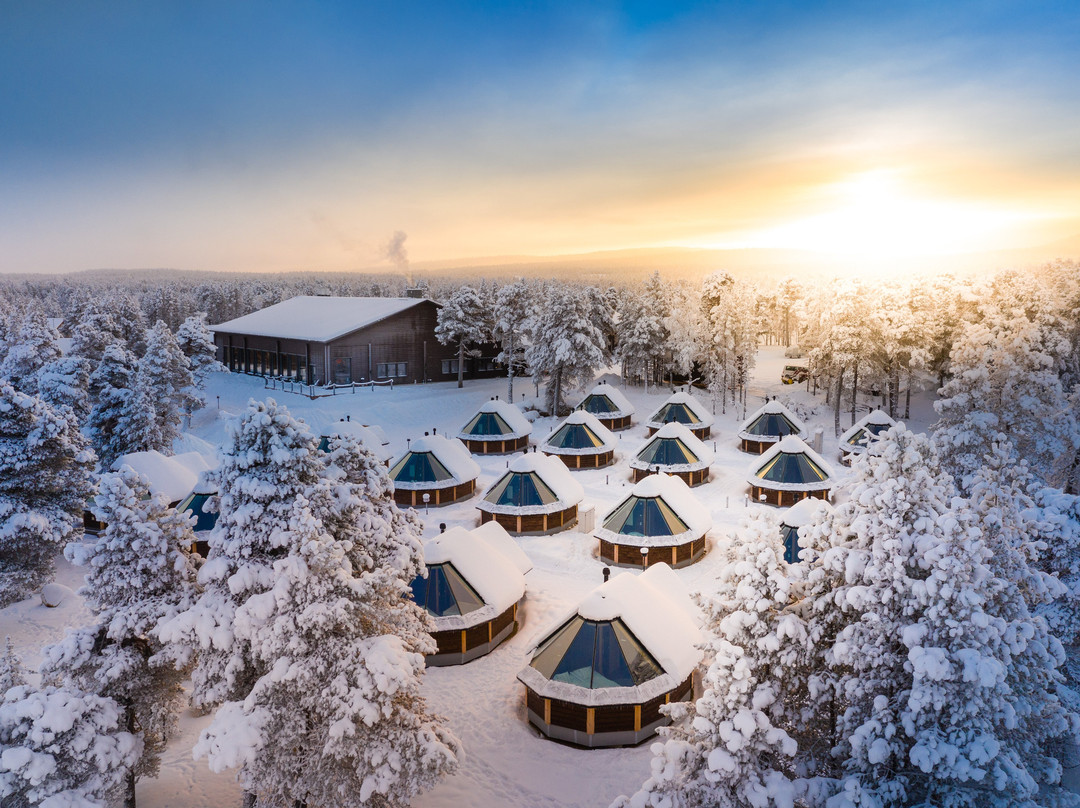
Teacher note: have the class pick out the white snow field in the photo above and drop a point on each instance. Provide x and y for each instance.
(506, 762)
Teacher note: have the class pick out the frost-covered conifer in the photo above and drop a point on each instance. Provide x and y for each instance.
(730, 749)
(11, 669)
(44, 485)
(166, 374)
(510, 314)
(93, 333)
(139, 573)
(62, 748)
(461, 323)
(566, 346)
(196, 340)
(65, 382)
(110, 390)
(337, 717)
(33, 345)
(269, 459)
(142, 426)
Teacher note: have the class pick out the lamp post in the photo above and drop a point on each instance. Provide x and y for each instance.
(427, 499)
(644, 557)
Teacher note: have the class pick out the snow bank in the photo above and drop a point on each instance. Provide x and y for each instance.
(509, 413)
(679, 498)
(674, 431)
(173, 477)
(483, 561)
(621, 402)
(695, 406)
(608, 439)
(316, 318)
(656, 607)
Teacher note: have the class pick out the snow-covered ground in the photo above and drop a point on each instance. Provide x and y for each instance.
(506, 762)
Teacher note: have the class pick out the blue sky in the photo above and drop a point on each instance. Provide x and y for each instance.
(228, 135)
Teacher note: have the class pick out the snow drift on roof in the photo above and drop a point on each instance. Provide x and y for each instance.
(368, 438)
(771, 408)
(511, 416)
(656, 607)
(615, 395)
(552, 473)
(581, 418)
(483, 561)
(317, 318)
(804, 512)
(675, 431)
(790, 445)
(696, 407)
(168, 476)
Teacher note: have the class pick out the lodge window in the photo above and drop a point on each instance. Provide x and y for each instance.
(485, 363)
(391, 370)
(449, 366)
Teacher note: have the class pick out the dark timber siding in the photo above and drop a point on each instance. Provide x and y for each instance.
(406, 337)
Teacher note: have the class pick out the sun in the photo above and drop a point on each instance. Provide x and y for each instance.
(876, 214)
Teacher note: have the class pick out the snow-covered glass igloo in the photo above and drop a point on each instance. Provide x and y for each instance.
(798, 515)
(498, 427)
(682, 408)
(536, 495)
(764, 429)
(610, 406)
(473, 591)
(790, 472)
(673, 450)
(581, 442)
(365, 434)
(660, 517)
(867, 429)
(440, 467)
(600, 676)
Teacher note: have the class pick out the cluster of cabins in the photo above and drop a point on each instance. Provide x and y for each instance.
(600, 675)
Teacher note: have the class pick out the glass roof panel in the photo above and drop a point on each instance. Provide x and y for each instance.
(194, 505)
(644, 516)
(520, 489)
(790, 536)
(609, 665)
(550, 652)
(419, 467)
(792, 468)
(595, 655)
(598, 405)
(642, 665)
(487, 423)
(444, 592)
(667, 452)
(680, 413)
(574, 436)
(576, 665)
(772, 424)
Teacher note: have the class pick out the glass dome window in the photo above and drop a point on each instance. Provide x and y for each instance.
(595, 655)
(419, 467)
(520, 490)
(667, 452)
(444, 592)
(645, 516)
(679, 413)
(598, 405)
(792, 468)
(770, 424)
(194, 505)
(574, 436)
(487, 423)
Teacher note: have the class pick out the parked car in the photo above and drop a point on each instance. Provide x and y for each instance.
(794, 373)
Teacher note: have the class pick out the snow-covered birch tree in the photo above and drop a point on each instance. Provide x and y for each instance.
(461, 324)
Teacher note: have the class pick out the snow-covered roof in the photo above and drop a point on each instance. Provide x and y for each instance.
(173, 477)
(589, 421)
(790, 445)
(675, 431)
(552, 472)
(615, 395)
(450, 452)
(511, 416)
(855, 440)
(364, 435)
(490, 562)
(773, 407)
(317, 318)
(656, 607)
(696, 407)
(804, 512)
(678, 497)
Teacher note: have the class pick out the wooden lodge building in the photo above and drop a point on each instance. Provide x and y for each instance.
(340, 340)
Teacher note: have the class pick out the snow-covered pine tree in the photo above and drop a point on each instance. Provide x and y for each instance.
(33, 345)
(566, 347)
(1017, 534)
(269, 459)
(731, 748)
(196, 340)
(511, 312)
(44, 486)
(110, 390)
(11, 669)
(65, 382)
(337, 717)
(642, 330)
(139, 573)
(93, 333)
(143, 426)
(166, 372)
(62, 748)
(461, 324)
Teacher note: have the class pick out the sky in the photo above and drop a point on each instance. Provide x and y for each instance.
(239, 136)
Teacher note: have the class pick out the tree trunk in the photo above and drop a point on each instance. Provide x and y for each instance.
(510, 370)
(907, 397)
(461, 364)
(129, 795)
(249, 800)
(836, 403)
(854, 393)
(894, 391)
